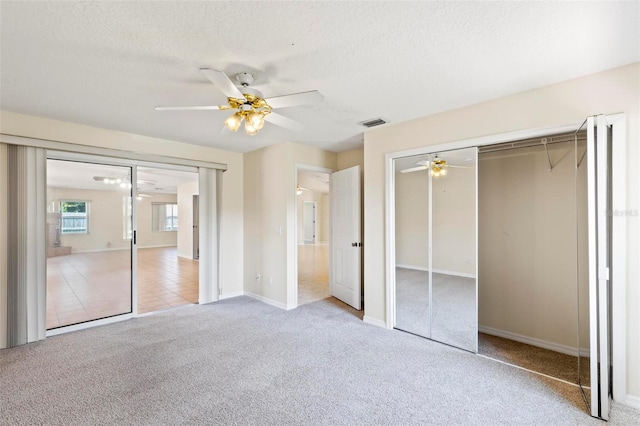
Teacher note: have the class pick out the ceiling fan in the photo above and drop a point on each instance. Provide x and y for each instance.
(249, 104)
(299, 189)
(438, 167)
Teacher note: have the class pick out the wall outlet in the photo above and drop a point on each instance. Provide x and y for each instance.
(258, 277)
(270, 280)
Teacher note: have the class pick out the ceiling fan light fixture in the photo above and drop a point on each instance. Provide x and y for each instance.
(256, 119)
(251, 131)
(233, 122)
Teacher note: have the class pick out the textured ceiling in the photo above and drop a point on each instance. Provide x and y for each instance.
(107, 64)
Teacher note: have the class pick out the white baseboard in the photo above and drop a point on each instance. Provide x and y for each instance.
(374, 321)
(185, 257)
(98, 250)
(157, 246)
(631, 401)
(116, 249)
(437, 271)
(267, 300)
(556, 347)
(230, 295)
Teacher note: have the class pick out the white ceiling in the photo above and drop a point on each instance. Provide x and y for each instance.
(315, 181)
(76, 175)
(107, 64)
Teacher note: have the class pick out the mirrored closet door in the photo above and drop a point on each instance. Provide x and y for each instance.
(436, 246)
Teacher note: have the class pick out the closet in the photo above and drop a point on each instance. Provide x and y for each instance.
(505, 250)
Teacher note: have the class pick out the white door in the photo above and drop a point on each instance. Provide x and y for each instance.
(309, 220)
(598, 157)
(346, 244)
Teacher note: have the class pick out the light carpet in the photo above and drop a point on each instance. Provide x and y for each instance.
(240, 361)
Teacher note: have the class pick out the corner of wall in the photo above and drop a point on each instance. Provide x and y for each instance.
(3, 247)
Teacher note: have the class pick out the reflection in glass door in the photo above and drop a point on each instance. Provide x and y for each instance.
(436, 246)
(89, 242)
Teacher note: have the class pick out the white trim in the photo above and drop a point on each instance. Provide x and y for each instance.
(231, 295)
(157, 246)
(186, 257)
(374, 321)
(390, 234)
(268, 301)
(544, 344)
(631, 401)
(72, 149)
(619, 246)
(437, 271)
(89, 324)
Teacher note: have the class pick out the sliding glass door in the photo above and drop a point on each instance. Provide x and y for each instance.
(436, 246)
(89, 229)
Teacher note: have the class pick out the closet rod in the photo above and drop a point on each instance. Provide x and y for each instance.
(528, 143)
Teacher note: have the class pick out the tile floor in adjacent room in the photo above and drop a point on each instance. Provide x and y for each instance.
(87, 286)
(313, 272)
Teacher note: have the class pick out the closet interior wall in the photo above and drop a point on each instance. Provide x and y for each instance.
(528, 249)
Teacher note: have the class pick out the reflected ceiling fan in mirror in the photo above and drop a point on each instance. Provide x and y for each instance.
(249, 104)
(438, 167)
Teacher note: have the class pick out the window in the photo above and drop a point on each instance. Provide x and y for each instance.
(164, 217)
(74, 217)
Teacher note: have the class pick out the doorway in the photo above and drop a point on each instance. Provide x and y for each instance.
(312, 207)
(90, 237)
(89, 242)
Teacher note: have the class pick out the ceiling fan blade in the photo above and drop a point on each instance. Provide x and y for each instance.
(414, 169)
(223, 83)
(282, 121)
(303, 98)
(187, 108)
(458, 167)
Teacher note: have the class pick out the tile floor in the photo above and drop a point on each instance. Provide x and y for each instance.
(313, 272)
(88, 286)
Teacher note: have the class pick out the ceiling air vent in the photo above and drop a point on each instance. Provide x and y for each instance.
(373, 123)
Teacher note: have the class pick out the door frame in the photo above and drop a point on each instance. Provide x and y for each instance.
(304, 223)
(209, 284)
(292, 233)
(619, 263)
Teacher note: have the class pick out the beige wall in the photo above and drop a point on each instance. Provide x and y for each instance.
(270, 211)
(325, 224)
(106, 222)
(3, 245)
(186, 191)
(561, 104)
(232, 187)
(527, 245)
(354, 157)
(146, 237)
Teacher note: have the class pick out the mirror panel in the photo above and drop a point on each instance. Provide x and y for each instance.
(453, 246)
(411, 230)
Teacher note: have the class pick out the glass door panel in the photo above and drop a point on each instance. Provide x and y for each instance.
(89, 247)
(453, 247)
(412, 312)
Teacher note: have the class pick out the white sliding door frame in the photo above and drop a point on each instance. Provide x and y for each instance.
(56, 150)
(619, 261)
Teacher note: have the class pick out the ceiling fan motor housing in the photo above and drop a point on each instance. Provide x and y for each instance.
(244, 78)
